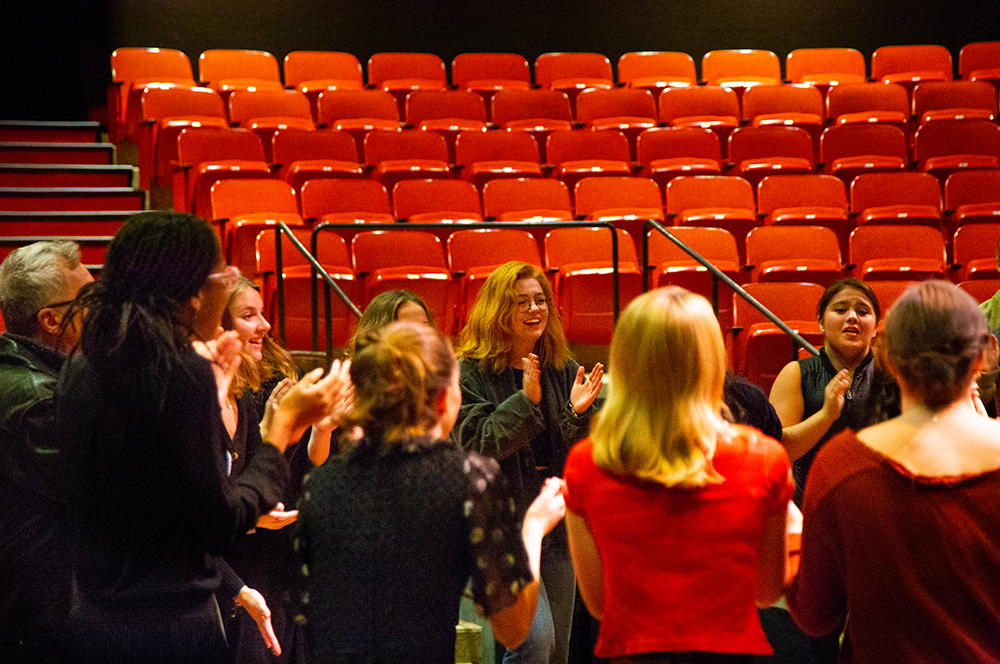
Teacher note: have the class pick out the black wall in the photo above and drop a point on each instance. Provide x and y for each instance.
(55, 52)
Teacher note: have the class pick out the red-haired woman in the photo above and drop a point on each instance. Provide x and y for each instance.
(525, 402)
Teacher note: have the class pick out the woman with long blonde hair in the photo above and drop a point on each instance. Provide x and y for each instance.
(676, 517)
(525, 402)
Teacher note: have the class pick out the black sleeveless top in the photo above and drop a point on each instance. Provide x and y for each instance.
(817, 372)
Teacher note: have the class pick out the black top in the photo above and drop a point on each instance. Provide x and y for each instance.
(151, 506)
(388, 541)
(34, 572)
(817, 371)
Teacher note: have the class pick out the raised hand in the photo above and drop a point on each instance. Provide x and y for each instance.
(584, 392)
(833, 397)
(308, 402)
(224, 353)
(532, 381)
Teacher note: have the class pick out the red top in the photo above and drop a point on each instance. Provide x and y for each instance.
(914, 560)
(680, 564)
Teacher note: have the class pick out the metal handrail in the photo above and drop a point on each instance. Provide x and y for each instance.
(717, 275)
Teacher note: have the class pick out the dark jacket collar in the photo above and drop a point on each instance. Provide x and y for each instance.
(25, 351)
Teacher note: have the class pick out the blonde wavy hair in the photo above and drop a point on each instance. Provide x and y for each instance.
(663, 415)
(488, 336)
(250, 374)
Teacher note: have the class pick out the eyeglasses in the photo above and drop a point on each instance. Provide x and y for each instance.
(525, 305)
(56, 305)
(227, 277)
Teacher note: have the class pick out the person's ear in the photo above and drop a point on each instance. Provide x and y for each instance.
(442, 402)
(49, 321)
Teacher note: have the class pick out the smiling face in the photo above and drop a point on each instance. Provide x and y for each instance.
(848, 324)
(531, 315)
(247, 311)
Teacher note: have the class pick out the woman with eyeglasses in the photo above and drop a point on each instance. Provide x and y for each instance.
(139, 417)
(525, 402)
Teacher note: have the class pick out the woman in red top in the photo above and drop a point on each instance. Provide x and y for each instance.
(676, 517)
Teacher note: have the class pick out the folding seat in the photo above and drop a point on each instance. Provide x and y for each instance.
(297, 287)
(205, 155)
(668, 264)
(891, 252)
(303, 155)
(266, 111)
(627, 202)
(888, 291)
(164, 110)
(794, 253)
(411, 259)
(401, 73)
(973, 196)
(656, 70)
(473, 254)
(486, 73)
(538, 112)
(406, 155)
(811, 200)
(226, 70)
(132, 69)
(447, 112)
(867, 103)
(708, 107)
(312, 72)
(715, 201)
(431, 201)
(484, 156)
(975, 251)
(740, 68)
(357, 112)
(981, 290)
(825, 67)
(243, 208)
(912, 64)
(573, 72)
(896, 198)
(795, 105)
(666, 152)
(527, 199)
(954, 100)
(944, 147)
(757, 152)
(581, 265)
(760, 348)
(980, 61)
(630, 111)
(848, 150)
(337, 201)
(576, 154)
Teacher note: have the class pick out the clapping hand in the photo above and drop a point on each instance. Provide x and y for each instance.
(584, 392)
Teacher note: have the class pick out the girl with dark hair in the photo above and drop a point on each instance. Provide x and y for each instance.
(391, 530)
(901, 521)
(387, 307)
(820, 396)
(525, 402)
(139, 416)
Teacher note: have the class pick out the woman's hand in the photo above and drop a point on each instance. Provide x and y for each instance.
(254, 603)
(548, 508)
(833, 397)
(277, 518)
(532, 381)
(322, 431)
(308, 402)
(224, 353)
(273, 400)
(584, 392)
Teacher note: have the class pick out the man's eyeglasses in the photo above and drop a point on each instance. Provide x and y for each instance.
(227, 277)
(525, 305)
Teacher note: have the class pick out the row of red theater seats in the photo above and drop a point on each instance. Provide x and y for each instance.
(228, 69)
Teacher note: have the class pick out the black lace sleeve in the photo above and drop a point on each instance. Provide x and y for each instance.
(500, 568)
